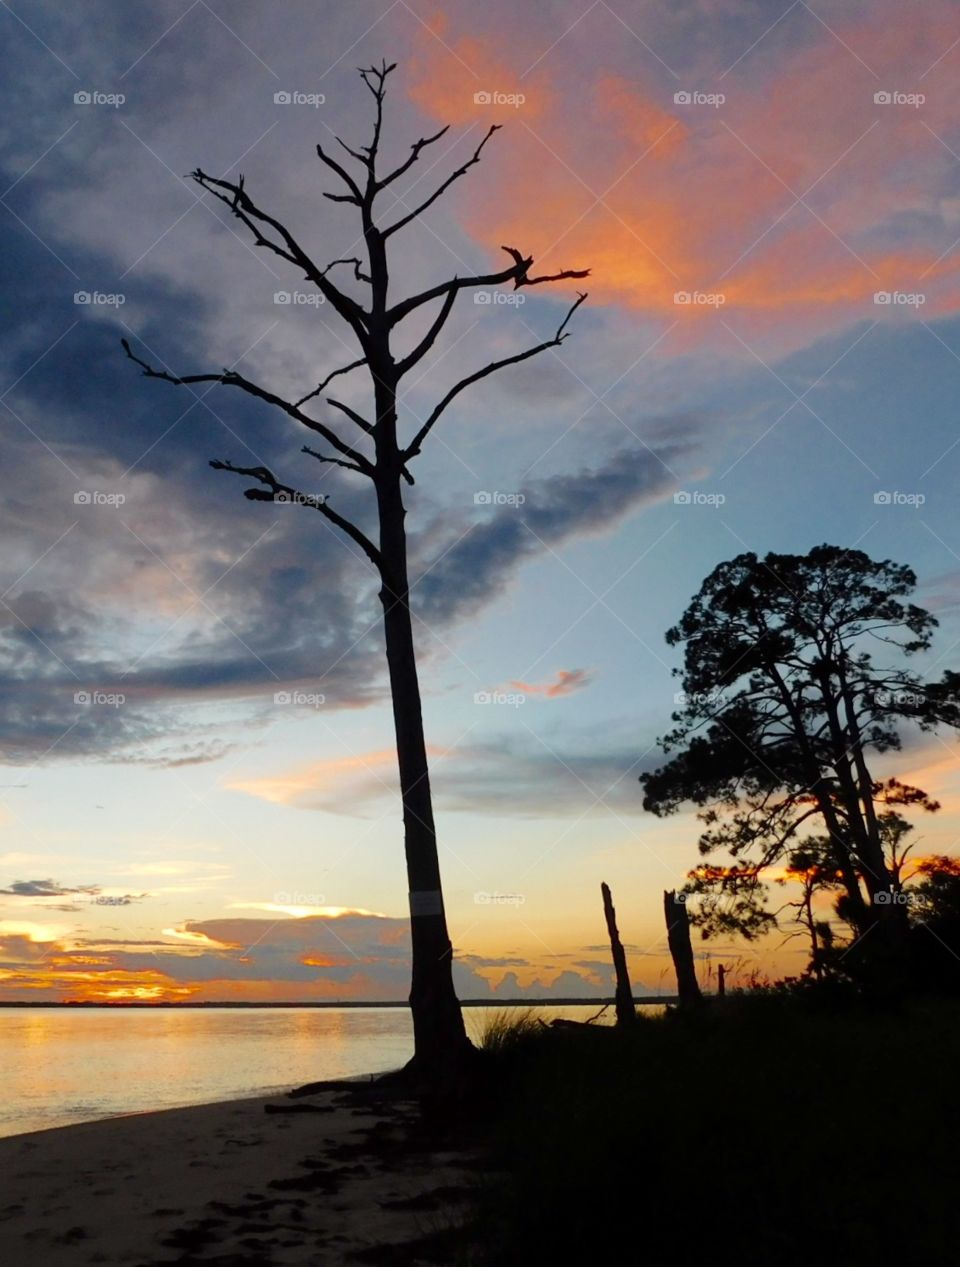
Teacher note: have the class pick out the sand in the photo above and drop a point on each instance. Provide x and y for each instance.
(351, 1180)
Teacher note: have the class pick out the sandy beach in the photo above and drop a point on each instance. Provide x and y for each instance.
(340, 1176)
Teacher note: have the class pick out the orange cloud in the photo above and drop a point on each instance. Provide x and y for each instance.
(287, 789)
(297, 786)
(660, 198)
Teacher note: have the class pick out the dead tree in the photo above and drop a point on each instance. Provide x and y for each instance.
(626, 1012)
(681, 951)
(379, 455)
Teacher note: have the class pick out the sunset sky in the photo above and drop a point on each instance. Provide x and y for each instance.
(199, 798)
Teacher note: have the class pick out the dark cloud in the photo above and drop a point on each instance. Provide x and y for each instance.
(568, 985)
(17, 950)
(516, 773)
(486, 961)
(92, 893)
(44, 888)
(478, 564)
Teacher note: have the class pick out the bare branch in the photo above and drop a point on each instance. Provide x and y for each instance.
(415, 149)
(357, 266)
(441, 189)
(354, 195)
(349, 466)
(352, 415)
(361, 158)
(344, 369)
(518, 273)
(229, 378)
(379, 89)
(322, 457)
(562, 332)
(364, 426)
(524, 264)
(428, 340)
(249, 214)
(414, 448)
(283, 492)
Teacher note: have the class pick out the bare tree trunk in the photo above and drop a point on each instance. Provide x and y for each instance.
(681, 951)
(437, 1020)
(626, 1012)
(721, 980)
(441, 1042)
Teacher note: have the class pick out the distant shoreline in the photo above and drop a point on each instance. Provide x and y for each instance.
(647, 1000)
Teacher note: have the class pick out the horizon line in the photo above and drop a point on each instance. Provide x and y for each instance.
(349, 1003)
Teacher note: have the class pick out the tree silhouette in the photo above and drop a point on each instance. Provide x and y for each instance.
(380, 456)
(783, 702)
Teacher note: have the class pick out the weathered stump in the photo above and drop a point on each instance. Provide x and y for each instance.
(681, 951)
(626, 1012)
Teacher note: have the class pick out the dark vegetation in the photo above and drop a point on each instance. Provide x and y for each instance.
(780, 1127)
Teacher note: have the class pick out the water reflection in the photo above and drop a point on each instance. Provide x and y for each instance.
(59, 1066)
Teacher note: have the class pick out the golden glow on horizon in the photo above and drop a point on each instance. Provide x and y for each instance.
(197, 939)
(32, 930)
(303, 912)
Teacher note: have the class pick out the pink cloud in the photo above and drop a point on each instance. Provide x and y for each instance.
(565, 683)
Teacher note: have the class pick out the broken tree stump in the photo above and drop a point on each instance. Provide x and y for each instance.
(681, 951)
(626, 1012)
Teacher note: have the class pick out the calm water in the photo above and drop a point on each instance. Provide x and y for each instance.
(59, 1066)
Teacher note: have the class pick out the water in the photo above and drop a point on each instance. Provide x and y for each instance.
(61, 1066)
